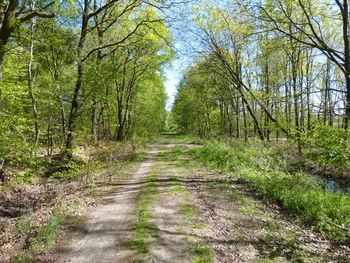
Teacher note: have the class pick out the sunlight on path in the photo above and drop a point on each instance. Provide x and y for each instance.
(109, 225)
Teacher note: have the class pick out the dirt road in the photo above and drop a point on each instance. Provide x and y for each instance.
(104, 236)
(109, 232)
(169, 210)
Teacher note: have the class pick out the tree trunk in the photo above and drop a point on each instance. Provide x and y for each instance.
(63, 119)
(238, 134)
(346, 40)
(94, 119)
(267, 103)
(347, 104)
(31, 79)
(79, 82)
(120, 132)
(326, 101)
(2, 57)
(245, 123)
(294, 63)
(255, 120)
(308, 91)
(120, 129)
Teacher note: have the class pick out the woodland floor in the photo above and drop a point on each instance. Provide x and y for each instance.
(171, 210)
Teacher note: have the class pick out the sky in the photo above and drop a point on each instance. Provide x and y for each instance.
(180, 25)
(175, 71)
(173, 77)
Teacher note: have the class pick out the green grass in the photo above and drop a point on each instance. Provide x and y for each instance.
(143, 228)
(188, 139)
(176, 153)
(198, 225)
(48, 233)
(259, 165)
(204, 254)
(24, 226)
(177, 189)
(107, 163)
(202, 249)
(138, 156)
(188, 210)
(45, 236)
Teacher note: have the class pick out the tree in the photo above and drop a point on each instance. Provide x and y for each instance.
(89, 12)
(311, 25)
(13, 14)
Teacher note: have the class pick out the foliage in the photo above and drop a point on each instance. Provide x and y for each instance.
(15, 122)
(299, 194)
(223, 155)
(333, 146)
(194, 103)
(45, 236)
(121, 93)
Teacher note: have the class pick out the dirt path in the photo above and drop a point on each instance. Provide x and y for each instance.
(118, 230)
(171, 212)
(104, 236)
(241, 227)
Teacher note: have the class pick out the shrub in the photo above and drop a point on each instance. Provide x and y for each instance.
(260, 167)
(333, 146)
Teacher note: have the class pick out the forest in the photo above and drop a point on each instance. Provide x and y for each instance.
(245, 157)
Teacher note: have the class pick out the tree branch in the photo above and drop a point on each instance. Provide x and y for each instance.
(122, 40)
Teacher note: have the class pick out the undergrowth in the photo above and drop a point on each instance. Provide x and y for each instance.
(41, 228)
(39, 239)
(259, 165)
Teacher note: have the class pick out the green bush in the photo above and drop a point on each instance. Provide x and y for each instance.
(261, 168)
(230, 156)
(333, 146)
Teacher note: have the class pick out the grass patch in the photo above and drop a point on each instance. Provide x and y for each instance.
(202, 250)
(271, 223)
(138, 156)
(204, 254)
(176, 153)
(166, 142)
(188, 210)
(260, 166)
(42, 238)
(24, 226)
(188, 139)
(198, 225)
(249, 210)
(47, 233)
(180, 229)
(95, 169)
(177, 189)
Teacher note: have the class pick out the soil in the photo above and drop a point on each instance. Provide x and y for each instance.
(172, 243)
(245, 228)
(229, 219)
(196, 216)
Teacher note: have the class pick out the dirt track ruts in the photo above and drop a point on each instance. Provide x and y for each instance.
(103, 236)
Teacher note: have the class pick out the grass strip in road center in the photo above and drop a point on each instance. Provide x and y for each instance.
(143, 227)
